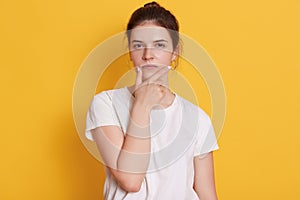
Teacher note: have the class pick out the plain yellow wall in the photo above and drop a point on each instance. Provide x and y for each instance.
(255, 45)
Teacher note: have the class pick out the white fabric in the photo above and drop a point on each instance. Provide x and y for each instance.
(179, 132)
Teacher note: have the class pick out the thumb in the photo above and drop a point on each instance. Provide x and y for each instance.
(138, 80)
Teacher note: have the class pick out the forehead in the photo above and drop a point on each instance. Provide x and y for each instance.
(149, 32)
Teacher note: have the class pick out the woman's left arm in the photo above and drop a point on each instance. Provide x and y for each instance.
(204, 180)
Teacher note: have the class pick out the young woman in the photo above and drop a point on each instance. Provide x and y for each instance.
(154, 143)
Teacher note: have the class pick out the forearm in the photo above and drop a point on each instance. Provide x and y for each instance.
(204, 183)
(134, 156)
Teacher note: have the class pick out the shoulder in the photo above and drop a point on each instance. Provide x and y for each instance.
(117, 98)
(109, 94)
(191, 108)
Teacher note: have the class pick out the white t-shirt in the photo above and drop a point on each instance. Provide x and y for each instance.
(179, 133)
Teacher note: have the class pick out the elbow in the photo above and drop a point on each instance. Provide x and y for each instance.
(131, 186)
(128, 182)
(134, 188)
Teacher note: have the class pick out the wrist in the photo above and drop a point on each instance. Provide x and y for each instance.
(140, 108)
(140, 114)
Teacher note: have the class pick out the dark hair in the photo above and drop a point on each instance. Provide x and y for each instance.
(157, 14)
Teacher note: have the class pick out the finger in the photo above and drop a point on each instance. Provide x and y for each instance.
(158, 83)
(155, 78)
(158, 74)
(138, 80)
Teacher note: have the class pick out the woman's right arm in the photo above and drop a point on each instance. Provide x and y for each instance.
(126, 157)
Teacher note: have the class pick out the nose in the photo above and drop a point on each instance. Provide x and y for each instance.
(147, 54)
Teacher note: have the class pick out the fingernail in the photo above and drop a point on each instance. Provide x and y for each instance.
(138, 69)
(169, 67)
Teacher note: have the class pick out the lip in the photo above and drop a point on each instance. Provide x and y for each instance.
(149, 66)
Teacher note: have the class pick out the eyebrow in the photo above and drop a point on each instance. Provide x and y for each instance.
(161, 40)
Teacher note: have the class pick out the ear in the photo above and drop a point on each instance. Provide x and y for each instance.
(175, 53)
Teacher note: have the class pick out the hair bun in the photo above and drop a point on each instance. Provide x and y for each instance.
(151, 4)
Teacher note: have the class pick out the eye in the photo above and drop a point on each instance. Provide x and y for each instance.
(160, 45)
(137, 46)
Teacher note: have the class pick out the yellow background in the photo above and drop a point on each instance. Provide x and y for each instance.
(255, 45)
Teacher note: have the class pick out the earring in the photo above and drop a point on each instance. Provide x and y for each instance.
(174, 64)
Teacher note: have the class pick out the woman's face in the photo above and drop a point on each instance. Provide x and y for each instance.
(151, 47)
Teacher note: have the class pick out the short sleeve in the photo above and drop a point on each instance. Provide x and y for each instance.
(206, 140)
(100, 113)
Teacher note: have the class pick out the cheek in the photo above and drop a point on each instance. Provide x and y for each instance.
(165, 57)
(136, 56)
